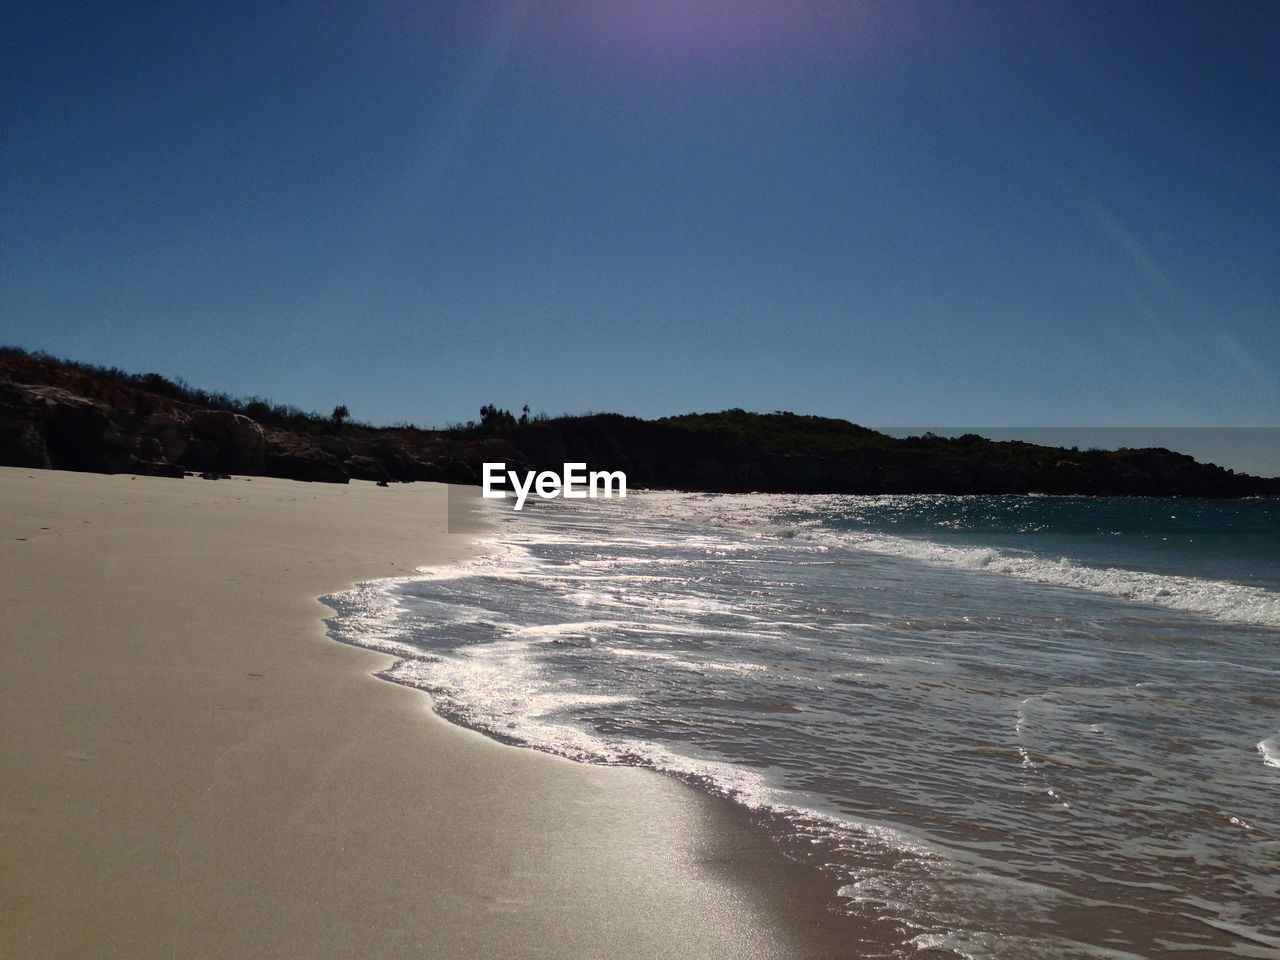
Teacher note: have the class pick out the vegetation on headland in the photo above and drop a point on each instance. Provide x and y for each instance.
(785, 433)
(264, 411)
(71, 415)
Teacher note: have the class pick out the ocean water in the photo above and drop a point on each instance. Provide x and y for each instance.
(1002, 727)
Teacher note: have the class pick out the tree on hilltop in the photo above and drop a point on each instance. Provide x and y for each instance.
(495, 420)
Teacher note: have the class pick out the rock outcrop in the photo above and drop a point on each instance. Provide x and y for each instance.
(292, 457)
(240, 443)
(44, 426)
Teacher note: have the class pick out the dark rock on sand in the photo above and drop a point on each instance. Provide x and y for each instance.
(47, 426)
(242, 446)
(296, 458)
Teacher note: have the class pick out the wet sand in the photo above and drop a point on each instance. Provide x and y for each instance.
(192, 768)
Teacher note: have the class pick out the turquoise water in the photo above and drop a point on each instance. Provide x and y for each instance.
(1236, 540)
(1011, 727)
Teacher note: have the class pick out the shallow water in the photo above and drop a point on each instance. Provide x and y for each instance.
(1003, 726)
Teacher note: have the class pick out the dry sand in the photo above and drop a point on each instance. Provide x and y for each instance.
(191, 768)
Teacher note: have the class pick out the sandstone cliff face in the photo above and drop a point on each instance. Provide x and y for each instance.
(293, 457)
(173, 431)
(21, 440)
(55, 415)
(241, 446)
(50, 427)
(44, 426)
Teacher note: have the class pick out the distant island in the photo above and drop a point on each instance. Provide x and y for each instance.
(66, 415)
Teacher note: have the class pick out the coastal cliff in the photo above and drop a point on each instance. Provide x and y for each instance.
(60, 415)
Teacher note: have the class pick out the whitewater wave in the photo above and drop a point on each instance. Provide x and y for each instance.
(775, 517)
(1222, 600)
(500, 688)
(717, 645)
(1270, 750)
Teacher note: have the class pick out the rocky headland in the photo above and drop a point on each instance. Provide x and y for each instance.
(61, 415)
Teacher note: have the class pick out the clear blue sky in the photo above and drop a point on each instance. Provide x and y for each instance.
(935, 213)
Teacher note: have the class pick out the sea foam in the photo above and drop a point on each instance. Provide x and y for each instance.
(984, 767)
(1219, 599)
(1270, 750)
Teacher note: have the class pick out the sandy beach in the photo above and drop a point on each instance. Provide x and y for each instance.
(192, 767)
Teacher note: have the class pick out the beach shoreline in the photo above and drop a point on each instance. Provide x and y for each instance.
(189, 773)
